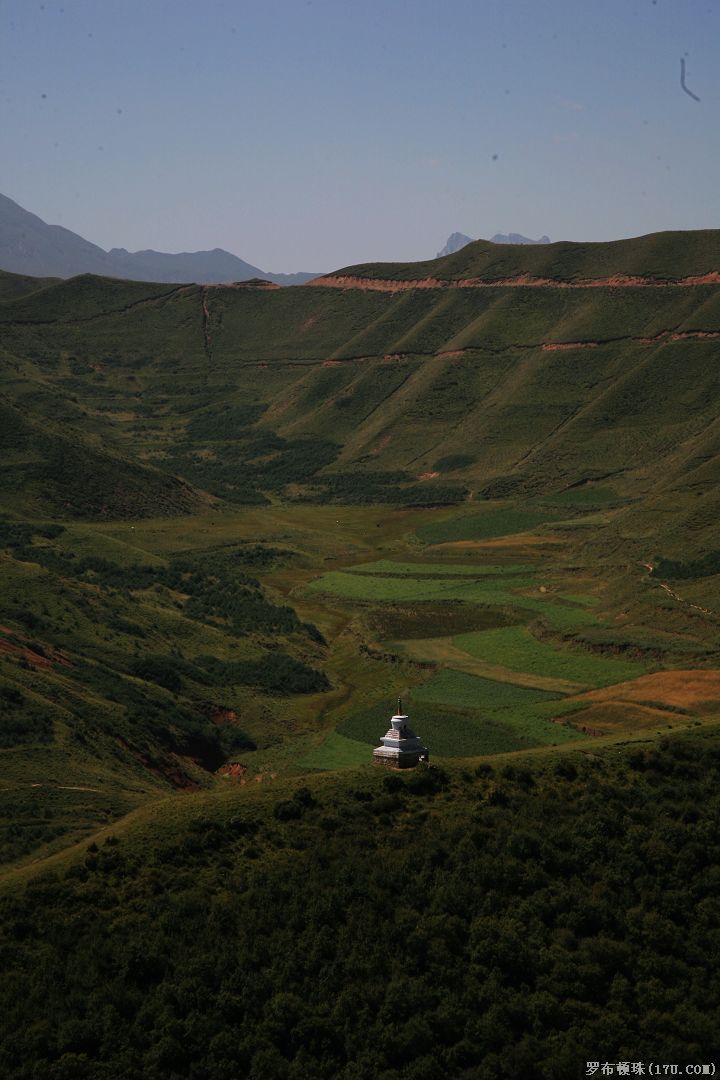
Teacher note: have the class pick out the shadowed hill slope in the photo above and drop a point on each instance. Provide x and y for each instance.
(45, 470)
(14, 285)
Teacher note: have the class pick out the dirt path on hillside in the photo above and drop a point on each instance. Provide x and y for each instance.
(51, 787)
(661, 585)
(144, 301)
(617, 281)
(521, 541)
(207, 340)
(664, 338)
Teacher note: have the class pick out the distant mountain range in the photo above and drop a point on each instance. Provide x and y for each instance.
(28, 245)
(457, 240)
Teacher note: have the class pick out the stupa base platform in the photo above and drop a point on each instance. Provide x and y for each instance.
(399, 759)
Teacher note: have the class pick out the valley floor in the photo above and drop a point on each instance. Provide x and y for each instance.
(504, 634)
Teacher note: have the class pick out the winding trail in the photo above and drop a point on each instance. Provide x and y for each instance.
(207, 339)
(617, 281)
(206, 320)
(144, 301)
(661, 584)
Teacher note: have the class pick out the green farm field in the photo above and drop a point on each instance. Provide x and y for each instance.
(495, 690)
(516, 648)
(462, 716)
(119, 612)
(384, 587)
(390, 568)
(454, 732)
(487, 525)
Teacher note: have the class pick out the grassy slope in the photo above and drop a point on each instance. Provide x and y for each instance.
(86, 720)
(14, 285)
(151, 372)
(664, 255)
(518, 649)
(364, 587)
(50, 469)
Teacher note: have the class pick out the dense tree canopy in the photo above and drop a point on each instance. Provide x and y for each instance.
(502, 923)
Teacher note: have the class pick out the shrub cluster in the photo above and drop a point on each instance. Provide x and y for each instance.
(380, 487)
(705, 566)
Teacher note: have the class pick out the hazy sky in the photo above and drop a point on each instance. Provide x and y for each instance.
(310, 134)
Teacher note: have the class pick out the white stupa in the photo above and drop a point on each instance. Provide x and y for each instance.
(401, 748)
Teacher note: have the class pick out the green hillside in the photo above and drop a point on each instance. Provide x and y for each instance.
(14, 285)
(235, 525)
(662, 256)
(422, 397)
(51, 469)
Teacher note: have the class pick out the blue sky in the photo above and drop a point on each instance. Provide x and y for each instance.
(311, 134)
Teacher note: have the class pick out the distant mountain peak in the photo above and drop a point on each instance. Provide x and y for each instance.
(457, 241)
(517, 238)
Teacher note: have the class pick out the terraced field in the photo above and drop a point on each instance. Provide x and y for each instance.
(443, 586)
(486, 525)
(516, 648)
(424, 570)
(496, 655)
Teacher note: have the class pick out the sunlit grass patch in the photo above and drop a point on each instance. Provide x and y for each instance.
(484, 526)
(587, 521)
(337, 752)
(455, 688)
(560, 616)
(385, 567)
(83, 542)
(515, 647)
(580, 598)
(360, 587)
(542, 721)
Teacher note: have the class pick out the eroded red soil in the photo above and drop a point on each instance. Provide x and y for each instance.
(617, 281)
